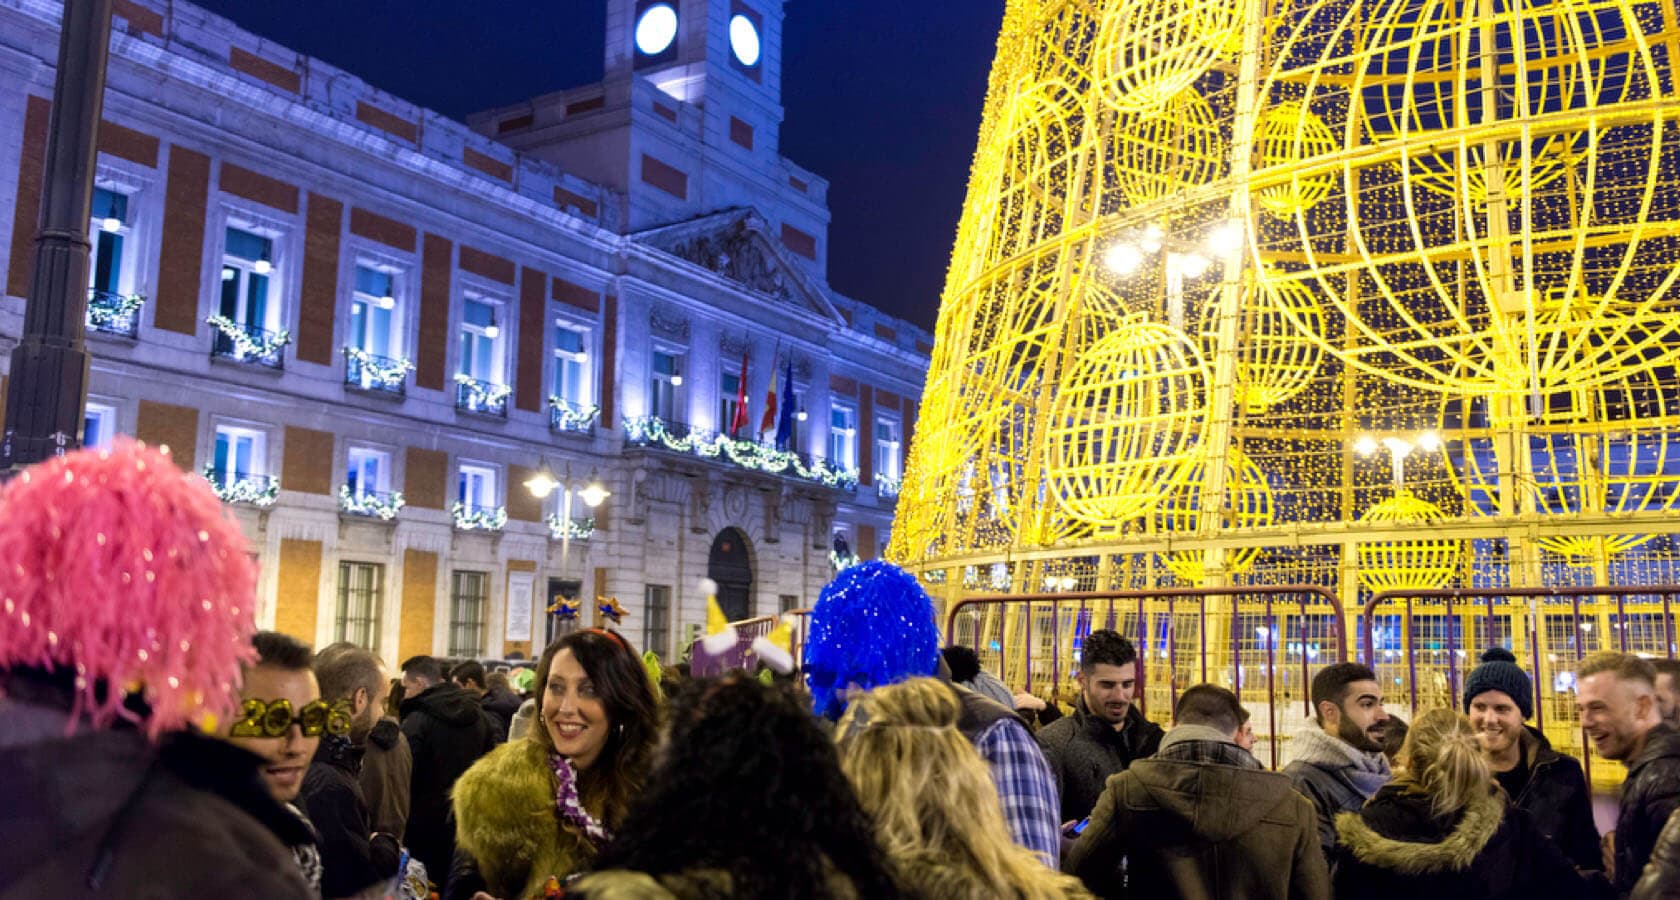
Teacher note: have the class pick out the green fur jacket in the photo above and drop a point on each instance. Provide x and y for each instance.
(506, 820)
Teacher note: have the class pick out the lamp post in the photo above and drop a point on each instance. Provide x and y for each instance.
(47, 394)
(1398, 449)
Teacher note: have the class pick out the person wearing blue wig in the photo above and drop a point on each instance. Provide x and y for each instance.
(873, 625)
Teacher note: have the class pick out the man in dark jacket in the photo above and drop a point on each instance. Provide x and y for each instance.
(499, 705)
(387, 771)
(1616, 695)
(1662, 874)
(353, 854)
(1498, 697)
(1106, 732)
(447, 732)
(1202, 819)
(1337, 761)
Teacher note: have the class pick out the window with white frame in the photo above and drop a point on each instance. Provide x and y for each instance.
(729, 404)
(374, 327)
(475, 488)
(665, 377)
(110, 233)
(656, 619)
(469, 608)
(481, 339)
(842, 436)
(248, 292)
(367, 471)
(360, 592)
(240, 454)
(571, 364)
(99, 424)
(886, 449)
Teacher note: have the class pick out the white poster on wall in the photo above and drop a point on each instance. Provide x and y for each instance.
(520, 586)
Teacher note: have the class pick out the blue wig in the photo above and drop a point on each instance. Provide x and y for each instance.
(873, 625)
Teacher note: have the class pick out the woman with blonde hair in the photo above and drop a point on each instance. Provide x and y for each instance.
(1441, 830)
(932, 801)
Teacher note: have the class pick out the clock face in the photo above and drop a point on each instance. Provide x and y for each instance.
(656, 29)
(743, 40)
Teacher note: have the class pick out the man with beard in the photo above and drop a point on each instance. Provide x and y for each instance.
(1339, 763)
(1106, 732)
(353, 855)
(1498, 697)
(1617, 700)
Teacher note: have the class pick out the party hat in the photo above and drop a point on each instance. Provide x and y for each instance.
(776, 648)
(720, 635)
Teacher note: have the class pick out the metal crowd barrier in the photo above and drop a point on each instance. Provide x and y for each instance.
(1264, 642)
(1424, 642)
(741, 656)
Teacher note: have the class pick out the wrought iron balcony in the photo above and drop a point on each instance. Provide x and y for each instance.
(572, 418)
(109, 312)
(482, 397)
(248, 343)
(887, 487)
(577, 528)
(479, 518)
(376, 374)
(382, 505)
(243, 487)
(652, 431)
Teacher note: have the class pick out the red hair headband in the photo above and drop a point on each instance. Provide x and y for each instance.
(608, 634)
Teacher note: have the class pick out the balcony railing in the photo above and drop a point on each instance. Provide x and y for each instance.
(248, 343)
(381, 505)
(243, 487)
(887, 487)
(479, 518)
(577, 528)
(652, 431)
(109, 312)
(376, 374)
(482, 397)
(572, 418)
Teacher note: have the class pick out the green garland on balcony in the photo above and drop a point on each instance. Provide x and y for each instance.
(746, 454)
(383, 508)
(244, 344)
(482, 398)
(387, 375)
(571, 419)
(570, 529)
(104, 315)
(244, 490)
(479, 520)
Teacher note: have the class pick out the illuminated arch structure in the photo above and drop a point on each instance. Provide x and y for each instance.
(1208, 235)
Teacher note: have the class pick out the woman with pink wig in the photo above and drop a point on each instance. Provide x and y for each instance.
(126, 600)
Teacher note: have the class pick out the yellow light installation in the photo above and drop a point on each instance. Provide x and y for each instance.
(1250, 506)
(1125, 423)
(1285, 135)
(1444, 231)
(1424, 563)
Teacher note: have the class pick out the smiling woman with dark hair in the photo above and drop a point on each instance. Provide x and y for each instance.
(544, 806)
(746, 800)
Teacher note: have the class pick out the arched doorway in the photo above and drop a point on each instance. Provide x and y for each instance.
(731, 567)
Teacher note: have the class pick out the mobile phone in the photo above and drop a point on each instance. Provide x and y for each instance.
(1079, 826)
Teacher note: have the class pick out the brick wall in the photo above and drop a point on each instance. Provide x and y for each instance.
(609, 361)
(168, 425)
(308, 462)
(300, 587)
(258, 188)
(318, 296)
(26, 214)
(866, 435)
(436, 269)
(419, 604)
(426, 481)
(528, 390)
(866, 541)
(521, 506)
(389, 232)
(181, 257)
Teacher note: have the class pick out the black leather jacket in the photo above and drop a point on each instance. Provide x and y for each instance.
(1649, 797)
(1662, 873)
(1558, 799)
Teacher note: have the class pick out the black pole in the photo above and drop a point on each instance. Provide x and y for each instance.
(47, 394)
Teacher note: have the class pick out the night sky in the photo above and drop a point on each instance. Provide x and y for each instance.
(882, 98)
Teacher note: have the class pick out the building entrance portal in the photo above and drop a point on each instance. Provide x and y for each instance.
(731, 567)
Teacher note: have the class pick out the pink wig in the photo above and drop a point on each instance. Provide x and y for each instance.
(120, 567)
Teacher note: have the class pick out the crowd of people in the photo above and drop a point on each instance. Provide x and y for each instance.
(154, 743)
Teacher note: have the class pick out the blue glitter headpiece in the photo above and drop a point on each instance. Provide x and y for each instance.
(872, 625)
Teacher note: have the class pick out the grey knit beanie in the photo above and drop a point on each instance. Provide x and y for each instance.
(1499, 672)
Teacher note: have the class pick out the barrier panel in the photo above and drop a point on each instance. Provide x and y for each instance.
(741, 656)
(1423, 643)
(1264, 642)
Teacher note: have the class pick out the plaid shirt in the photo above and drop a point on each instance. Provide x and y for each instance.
(1025, 786)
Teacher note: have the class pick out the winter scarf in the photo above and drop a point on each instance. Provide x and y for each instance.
(1201, 744)
(1367, 772)
(507, 821)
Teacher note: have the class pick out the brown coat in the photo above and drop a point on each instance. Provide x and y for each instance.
(387, 767)
(1201, 821)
